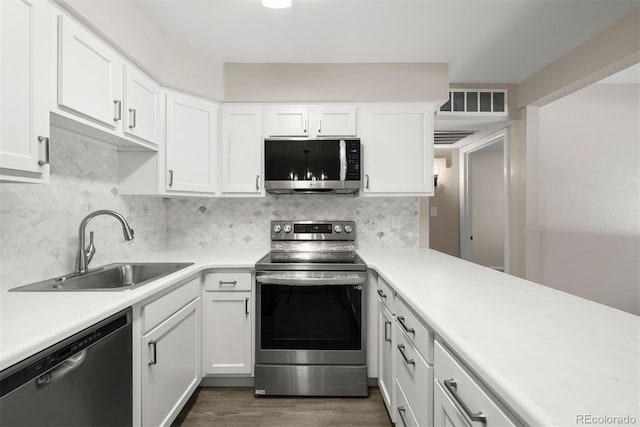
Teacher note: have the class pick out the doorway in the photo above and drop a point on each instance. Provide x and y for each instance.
(484, 202)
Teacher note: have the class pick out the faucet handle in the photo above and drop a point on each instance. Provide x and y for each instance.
(91, 249)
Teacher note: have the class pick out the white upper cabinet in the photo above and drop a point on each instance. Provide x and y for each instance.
(397, 142)
(89, 75)
(24, 89)
(192, 144)
(330, 120)
(100, 94)
(242, 150)
(141, 105)
(303, 120)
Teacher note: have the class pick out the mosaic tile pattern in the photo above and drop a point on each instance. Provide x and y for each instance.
(39, 223)
(243, 222)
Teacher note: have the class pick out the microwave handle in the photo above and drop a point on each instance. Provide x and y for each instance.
(342, 153)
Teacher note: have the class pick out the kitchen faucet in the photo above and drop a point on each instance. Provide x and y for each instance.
(86, 254)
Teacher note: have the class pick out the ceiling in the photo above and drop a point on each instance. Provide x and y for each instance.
(482, 41)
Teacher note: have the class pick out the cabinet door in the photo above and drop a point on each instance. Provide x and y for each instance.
(170, 365)
(191, 144)
(89, 75)
(445, 413)
(398, 150)
(332, 121)
(227, 332)
(289, 120)
(24, 85)
(141, 105)
(386, 371)
(241, 149)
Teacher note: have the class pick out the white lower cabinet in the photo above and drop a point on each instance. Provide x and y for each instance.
(170, 354)
(402, 412)
(445, 412)
(386, 368)
(415, 377)
(227, 333)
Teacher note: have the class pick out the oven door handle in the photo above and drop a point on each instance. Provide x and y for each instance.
(295, 280)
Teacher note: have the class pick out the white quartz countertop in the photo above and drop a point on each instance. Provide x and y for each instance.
(32, 321)
(548, 355)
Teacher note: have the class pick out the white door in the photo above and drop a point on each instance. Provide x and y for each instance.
(386, 372)
(141, 105)
(170, 365)
(398, 149)
(445, 412)
(89, 75)
(332, 120)
(227, 332)
(289, 120)
(242, 149)
(191, 144)
(24, 86)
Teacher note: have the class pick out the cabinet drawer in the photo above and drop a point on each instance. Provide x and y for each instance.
(228, 281)
(415, 377)
(157, 311)
(462, 389)
(387, 295)
(403, 412)
(419, 335)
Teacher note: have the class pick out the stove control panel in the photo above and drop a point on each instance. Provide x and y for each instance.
(313, 230)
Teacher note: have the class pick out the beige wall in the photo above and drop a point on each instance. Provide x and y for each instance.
(174, 65)
(517, 196)
(588, 195)
(335, 82)
(444, 229)
(610, 51)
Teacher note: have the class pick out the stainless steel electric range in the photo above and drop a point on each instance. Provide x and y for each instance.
(311, 312)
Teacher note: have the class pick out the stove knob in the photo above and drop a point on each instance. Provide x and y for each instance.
(337, 228)
(287, 228)
(348, 229)
(277, 228)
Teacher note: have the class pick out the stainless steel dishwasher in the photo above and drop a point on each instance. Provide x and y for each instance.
(84, 380)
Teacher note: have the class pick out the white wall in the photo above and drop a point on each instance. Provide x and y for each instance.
(589, 195)
(444, 229)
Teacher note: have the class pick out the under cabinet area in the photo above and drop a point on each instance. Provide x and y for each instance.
(228, 323)
(170, 353)
(24, 82)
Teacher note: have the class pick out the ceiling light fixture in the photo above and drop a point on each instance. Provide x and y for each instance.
(276, 4)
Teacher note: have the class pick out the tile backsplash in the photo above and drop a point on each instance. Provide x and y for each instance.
(244, 222)
(39, 223)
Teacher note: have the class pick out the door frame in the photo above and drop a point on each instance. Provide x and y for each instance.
(501, 136)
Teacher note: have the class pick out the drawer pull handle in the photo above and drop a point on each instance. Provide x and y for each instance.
(170, 178)
(246, 306)
(232, 283)
(132, 118)
(382, 294)
(44, 140)
(117, 107)
(452, 387)
(404, 326)
(257, 182)
(404, 355)
(154, 353)
(386, 331)
(401, 411)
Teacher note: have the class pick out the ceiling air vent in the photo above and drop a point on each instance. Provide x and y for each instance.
(476, 102)
(447, 137)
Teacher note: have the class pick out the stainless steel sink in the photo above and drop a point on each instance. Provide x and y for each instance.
(111, 277)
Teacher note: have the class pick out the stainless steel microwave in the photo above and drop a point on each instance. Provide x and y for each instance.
(312, 165)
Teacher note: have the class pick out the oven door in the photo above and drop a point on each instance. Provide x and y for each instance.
(311, 317)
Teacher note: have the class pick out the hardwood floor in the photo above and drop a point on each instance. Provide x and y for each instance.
(237, 406)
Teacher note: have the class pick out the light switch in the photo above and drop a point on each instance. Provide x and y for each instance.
(434, 211)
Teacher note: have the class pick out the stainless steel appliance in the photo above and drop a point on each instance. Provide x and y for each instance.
(311, 312)
(312, 165)
(85, 380)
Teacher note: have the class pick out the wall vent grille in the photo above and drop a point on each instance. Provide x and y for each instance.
(476, 102)
(448, 137)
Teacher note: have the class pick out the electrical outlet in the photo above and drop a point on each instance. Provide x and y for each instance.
(434, 211)
(396, 222)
